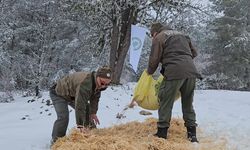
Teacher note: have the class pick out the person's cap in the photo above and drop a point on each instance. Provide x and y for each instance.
(104, 72)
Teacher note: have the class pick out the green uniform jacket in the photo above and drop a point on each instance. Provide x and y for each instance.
(175, 52)
(81, 88)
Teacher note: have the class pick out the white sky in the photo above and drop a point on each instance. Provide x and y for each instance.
(220, 114)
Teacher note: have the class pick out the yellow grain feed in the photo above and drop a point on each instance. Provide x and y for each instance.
(146, 91)
(136, 136)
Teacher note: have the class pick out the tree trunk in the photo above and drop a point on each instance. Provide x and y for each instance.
(124, 43)
(114, 45)
(37, 90)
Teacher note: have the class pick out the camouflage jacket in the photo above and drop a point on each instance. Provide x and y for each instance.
(80, 87)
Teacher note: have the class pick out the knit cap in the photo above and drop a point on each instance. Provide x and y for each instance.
(104, 72)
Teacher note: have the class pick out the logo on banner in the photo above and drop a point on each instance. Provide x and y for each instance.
(137, 43)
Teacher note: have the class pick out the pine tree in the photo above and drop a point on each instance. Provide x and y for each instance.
(230, 46)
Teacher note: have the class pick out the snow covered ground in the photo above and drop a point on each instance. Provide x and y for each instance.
(27, 125)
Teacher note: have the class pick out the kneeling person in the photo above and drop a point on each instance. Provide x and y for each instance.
(80, 90)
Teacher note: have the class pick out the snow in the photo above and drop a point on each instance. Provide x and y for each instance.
(220, 114)
(203, 3)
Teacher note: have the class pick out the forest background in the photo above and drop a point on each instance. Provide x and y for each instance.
(43, 40)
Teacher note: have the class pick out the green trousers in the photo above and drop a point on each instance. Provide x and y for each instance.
(167, 92)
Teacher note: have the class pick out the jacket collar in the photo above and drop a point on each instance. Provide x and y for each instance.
(165, 28)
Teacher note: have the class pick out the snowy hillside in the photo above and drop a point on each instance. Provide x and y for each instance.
(26, 124)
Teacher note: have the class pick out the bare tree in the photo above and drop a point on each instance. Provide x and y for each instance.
(117, 16)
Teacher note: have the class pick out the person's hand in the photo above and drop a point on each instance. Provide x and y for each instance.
(82, 129)
(132, 104)
(148, 73)
(94, 119)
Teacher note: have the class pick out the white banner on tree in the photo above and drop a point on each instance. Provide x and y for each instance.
(137, 39)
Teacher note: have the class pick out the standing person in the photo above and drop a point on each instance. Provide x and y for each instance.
(82, 91)
(175, 52)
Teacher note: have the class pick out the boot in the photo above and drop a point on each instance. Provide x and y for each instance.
(191, 134)
(162, 132)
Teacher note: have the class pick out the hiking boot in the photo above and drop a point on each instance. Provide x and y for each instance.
(191, 134)
(162, 133)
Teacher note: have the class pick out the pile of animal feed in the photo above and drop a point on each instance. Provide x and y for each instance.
(136, 136)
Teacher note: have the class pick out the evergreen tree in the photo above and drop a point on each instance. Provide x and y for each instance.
(230, 45)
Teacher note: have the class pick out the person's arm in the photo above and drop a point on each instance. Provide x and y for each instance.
(94, 107)
(83, 93)
(155, 54)
(193, 49)
(94, 102)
